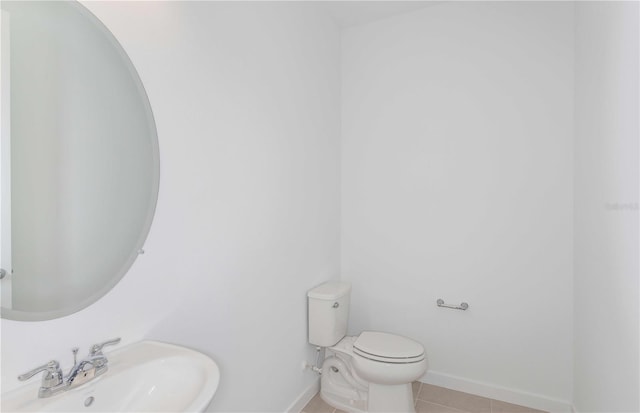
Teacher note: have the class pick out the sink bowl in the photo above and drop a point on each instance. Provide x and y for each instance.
(147, 376)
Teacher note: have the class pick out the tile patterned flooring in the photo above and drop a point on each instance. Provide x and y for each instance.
(434, 399)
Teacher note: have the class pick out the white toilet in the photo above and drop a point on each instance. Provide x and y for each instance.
(372, 372)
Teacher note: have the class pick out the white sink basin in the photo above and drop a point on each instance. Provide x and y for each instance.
(147, 376)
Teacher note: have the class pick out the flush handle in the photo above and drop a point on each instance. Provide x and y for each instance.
(336, 305)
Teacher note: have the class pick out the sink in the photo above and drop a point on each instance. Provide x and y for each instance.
(147, 376)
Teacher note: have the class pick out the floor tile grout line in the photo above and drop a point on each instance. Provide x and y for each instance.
(417, 398)
(458, 391)
(444, 405)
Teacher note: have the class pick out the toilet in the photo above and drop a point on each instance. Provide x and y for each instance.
(371, 372)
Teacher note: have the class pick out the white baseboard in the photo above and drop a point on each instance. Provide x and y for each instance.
(534, 401)
(304, 398)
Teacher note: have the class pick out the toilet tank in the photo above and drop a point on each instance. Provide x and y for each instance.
(328, 312)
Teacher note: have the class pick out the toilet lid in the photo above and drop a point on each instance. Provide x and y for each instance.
(389, 347)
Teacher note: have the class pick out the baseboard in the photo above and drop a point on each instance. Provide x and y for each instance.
(534, 401)
(305, 397)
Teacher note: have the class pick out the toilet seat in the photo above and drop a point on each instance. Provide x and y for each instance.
(388, 348)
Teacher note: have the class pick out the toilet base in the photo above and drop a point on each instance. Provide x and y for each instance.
(391, 398)
(379, 398)
(343, 403)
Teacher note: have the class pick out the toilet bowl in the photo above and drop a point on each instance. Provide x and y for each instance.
(385, 358)
(371, 372)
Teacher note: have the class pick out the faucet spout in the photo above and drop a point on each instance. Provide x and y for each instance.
(87, 369)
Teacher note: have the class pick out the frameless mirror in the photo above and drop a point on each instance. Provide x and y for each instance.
(80, 163)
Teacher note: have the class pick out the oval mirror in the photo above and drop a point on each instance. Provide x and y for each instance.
(80, 162)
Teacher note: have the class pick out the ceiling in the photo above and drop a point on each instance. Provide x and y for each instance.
(353, 13)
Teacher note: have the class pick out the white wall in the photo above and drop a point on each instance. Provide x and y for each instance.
(456, 184)
(606, 285)
(246, 100)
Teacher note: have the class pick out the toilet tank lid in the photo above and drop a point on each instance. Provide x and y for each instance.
(331, 290)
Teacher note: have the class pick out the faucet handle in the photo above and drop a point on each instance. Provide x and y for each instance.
(52, 377)
(97, 348)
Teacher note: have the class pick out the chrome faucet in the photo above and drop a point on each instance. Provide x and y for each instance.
(54, 381)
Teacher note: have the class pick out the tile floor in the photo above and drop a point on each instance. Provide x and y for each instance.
(434, 399)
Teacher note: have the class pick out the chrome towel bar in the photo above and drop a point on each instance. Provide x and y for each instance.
(462, 306)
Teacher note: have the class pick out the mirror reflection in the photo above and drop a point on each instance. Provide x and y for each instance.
(79, 160)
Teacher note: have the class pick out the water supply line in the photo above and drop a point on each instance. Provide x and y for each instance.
(317, 367)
